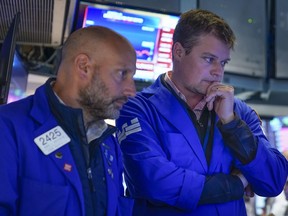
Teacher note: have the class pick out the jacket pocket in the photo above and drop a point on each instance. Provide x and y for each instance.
(39, 198)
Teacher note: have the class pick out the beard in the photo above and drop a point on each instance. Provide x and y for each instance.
(96, 102)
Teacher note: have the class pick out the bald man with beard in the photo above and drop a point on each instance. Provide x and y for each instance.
(59, 156)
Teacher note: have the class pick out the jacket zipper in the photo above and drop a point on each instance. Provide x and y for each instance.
(90, 178)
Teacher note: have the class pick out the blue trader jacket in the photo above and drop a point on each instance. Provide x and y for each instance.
(33, 183)
(165, 165)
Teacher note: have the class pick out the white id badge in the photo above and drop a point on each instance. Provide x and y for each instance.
(52, 140)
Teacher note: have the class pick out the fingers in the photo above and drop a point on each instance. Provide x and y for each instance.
(212, 95)
(210, 102)
(220, 97)
(218, 90)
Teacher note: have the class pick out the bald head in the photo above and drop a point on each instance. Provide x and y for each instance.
(91, 40)
(92, 52)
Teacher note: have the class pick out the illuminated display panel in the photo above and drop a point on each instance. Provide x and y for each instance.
(279, 126)
(149, 32)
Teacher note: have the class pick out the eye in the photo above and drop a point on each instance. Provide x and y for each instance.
(223, 63)
(209, 59)
(122, 74)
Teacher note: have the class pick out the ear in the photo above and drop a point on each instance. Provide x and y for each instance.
(82, 64)
(178, 51)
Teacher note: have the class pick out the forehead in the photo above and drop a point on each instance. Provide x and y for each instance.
(117, 57)
(211, 44)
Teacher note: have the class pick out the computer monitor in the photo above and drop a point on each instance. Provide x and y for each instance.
(248, 21)
(7, 57)
(150, 32)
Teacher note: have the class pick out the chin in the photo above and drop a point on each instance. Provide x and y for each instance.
(113, 114)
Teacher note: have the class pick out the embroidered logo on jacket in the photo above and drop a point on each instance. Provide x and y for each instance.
(129, 128)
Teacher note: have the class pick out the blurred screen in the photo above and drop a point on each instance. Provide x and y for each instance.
(149, 32)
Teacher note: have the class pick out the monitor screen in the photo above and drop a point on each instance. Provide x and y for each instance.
(149, 32)
(19, 79)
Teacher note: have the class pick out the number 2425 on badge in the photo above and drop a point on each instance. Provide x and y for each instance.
(52, 140)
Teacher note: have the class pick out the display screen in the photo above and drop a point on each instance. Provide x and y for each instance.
(149, 32)
(19, 79)
(279, 126)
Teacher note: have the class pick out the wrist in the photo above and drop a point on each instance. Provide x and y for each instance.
(243, 179)
(228, 119)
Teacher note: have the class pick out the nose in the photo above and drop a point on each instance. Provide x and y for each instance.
(129, 88)
(217, 69)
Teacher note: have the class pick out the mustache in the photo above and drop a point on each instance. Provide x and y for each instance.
(100, 105)
(121, 98)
